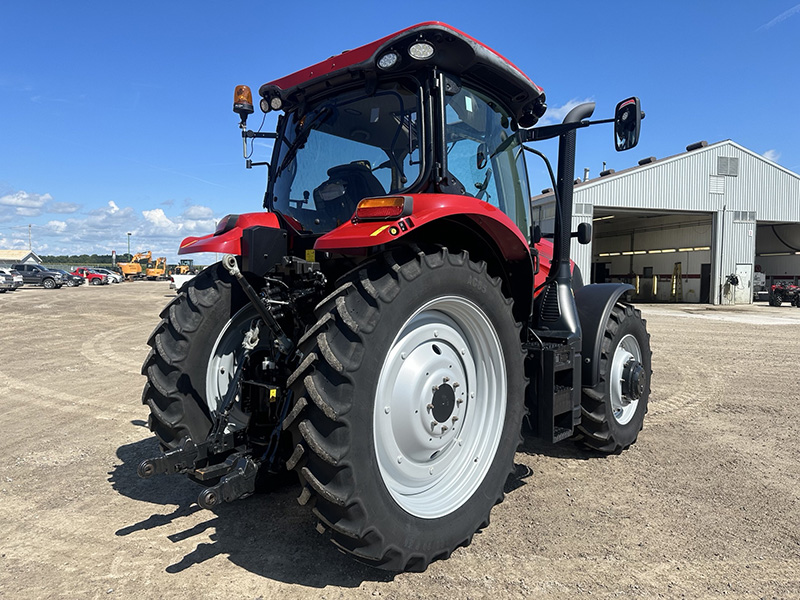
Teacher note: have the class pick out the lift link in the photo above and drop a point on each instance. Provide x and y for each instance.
(283, 343)
(239, 483)
(185, 458)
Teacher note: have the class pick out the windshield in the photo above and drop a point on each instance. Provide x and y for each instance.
(346, 148)
(484, 154)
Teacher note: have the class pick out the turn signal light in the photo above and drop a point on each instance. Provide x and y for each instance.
(242, 100)
(391, 207)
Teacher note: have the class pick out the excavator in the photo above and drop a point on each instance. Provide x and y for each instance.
(158, 270)
(133, 269)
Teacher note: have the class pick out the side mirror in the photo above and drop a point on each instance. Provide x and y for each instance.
(536, 234)
(482, 156)
(584, 233)
(627, 122)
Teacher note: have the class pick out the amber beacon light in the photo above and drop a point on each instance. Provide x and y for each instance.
(242, 101)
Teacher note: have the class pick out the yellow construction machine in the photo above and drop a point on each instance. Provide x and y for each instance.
(133, 269)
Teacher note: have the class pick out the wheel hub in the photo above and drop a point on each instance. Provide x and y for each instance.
(444, 401)
(628, 379)
(633, 380)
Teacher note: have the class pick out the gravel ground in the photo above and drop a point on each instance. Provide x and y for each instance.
(706, 504)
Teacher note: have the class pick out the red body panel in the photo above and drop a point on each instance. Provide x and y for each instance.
(545, 248)
(428, 208)
(229, 242)
(350, 58)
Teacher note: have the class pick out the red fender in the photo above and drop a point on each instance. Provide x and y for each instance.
(228, 237)
(352, 236)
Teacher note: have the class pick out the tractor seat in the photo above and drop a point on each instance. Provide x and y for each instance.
(336, 199)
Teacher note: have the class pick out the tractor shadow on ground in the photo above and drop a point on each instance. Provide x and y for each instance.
(569, 449)
(268, 534)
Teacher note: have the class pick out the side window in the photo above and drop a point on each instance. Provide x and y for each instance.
(483, 153)
(467, 156)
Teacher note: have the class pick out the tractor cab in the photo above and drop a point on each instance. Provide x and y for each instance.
(428, 110)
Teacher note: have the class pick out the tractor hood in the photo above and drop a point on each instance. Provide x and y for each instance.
(426, 45)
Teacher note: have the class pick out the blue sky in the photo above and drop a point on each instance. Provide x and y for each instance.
(116, 117)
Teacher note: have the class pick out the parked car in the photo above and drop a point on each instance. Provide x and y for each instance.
(112, 276)
(71, 280)
(39, 275)
(91, 275)
(6, 283)
(15, 275)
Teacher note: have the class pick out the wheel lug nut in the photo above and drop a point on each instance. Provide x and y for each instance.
(456, 385)
(444, 428)
(435, 389)
(445, 379)
(454, 419)
(429, 407)
(433, 425)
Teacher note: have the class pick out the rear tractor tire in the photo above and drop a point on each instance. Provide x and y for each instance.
(612, 412)
(408, 407)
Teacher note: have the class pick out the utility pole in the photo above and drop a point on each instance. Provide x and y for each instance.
(129, 246)
(30, 239)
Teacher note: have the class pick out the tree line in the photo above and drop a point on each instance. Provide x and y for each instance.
(94, 259)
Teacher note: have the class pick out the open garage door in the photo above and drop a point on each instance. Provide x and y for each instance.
(662, 254)
(777, 255)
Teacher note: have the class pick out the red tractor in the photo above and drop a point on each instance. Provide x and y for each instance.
(383, 329)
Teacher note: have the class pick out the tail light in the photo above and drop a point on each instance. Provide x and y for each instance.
(384, 209)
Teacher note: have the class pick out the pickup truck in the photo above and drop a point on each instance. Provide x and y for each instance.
(39, 275)
(176, 280)
(90, 276)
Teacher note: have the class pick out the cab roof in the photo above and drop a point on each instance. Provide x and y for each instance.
(455, 53)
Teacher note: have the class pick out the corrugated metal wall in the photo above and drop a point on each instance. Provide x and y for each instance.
(698, 181)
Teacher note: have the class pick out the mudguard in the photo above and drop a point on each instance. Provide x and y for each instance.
(427, 208)
(227, 239)
(594, 303)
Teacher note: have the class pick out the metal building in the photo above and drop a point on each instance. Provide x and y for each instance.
(713, 224)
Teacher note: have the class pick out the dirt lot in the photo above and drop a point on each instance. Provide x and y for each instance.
(706, 504)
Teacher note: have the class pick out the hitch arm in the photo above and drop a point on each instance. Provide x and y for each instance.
(284, 344)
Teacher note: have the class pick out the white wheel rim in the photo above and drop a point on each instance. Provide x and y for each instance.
(222, 362)
(432, 467)
(623, 407)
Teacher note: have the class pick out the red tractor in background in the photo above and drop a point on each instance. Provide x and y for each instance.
(386, 325)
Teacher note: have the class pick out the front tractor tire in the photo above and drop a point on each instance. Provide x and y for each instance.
(408, 407)
(191, 357)
(612, 412)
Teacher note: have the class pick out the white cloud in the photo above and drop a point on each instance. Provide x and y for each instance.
(23, 204)
(25, 200)
(772, 155)
(160, 221)
(63, 208)
(556, 114)
(57, 226)
(198, 212)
